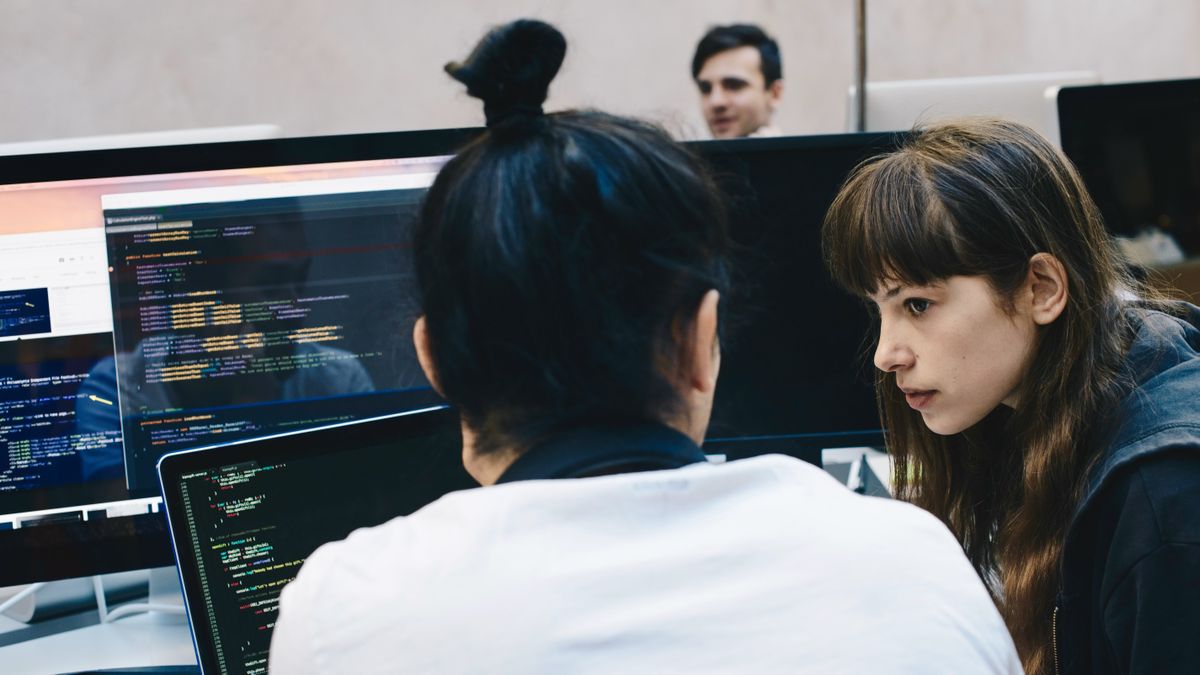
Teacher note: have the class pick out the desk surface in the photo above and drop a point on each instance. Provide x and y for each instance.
(138, 640)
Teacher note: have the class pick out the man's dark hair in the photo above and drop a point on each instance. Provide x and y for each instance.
(723, 38)
(561, 258)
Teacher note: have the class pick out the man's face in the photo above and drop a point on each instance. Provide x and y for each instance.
(734, 95)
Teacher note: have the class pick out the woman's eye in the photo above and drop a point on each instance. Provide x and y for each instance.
(916, 306)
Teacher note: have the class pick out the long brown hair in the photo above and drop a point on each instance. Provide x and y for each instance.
(980, 197)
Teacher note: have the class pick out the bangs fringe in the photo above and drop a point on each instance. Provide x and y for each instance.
(887, 225)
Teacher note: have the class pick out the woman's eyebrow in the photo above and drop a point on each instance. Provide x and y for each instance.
(887, 295)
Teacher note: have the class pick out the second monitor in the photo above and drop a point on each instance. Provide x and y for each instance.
(794, 373)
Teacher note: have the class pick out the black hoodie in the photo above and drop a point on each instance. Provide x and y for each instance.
(1130, 598)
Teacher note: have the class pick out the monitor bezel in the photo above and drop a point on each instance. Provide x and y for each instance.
(881, 139)
(85, 164)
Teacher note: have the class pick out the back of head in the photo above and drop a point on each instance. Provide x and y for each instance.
(557, 255)
(723, 38)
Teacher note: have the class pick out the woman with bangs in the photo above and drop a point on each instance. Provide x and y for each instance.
(1036, 398)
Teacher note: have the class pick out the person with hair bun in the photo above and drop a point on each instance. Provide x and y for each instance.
(570, 270)
(1036, 398)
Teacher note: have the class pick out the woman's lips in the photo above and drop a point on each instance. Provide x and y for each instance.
(918, 400)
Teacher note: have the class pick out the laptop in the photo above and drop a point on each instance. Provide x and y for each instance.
(244, 516)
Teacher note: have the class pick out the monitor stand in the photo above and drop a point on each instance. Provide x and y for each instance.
(50, 608)
(22, 602)
(156, 640)
(865, 469)
(165, 598)
(44, 601)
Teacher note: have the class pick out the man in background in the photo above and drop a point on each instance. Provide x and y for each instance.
(740, 76)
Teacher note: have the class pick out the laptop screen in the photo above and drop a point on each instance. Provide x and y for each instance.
(244, 517)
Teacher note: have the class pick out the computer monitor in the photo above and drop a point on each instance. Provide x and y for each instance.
(1027, 98)
(249, 310)
(796, 373)
(73, 498)
(1137, 146)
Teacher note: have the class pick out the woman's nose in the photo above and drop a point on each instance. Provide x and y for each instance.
(891, 353)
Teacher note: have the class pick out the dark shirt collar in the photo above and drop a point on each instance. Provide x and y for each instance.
(603, 450)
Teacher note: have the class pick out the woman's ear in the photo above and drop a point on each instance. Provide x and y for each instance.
(704, 354)
(425, 355)
(1047, 283)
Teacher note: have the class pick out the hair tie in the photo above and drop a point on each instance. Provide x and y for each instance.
(496, 115)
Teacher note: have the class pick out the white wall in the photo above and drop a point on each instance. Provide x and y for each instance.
(81, 67)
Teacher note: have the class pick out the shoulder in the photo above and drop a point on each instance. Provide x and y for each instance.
(1148, 551)
(1164, 354)
(900, 574)
(341, 571)
(371, 558)
(346, 592)
(1141, 516)
(886, 517)
(850, 528)
(311, 628)
(1160, 494)
(1163, 409)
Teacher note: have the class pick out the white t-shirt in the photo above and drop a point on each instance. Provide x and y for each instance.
(760, 565)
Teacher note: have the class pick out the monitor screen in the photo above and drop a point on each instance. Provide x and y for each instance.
(258, 287)
(251, 310)
(796, 373)
(1137, 146)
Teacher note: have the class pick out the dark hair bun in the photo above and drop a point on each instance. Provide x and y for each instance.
(511, 68)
